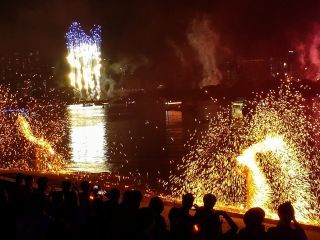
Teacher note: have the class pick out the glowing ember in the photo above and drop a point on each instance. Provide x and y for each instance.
(85, 61)
(268, 157)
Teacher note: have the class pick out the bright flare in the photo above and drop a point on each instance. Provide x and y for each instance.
(259, 192)
(84, 58)
(258, 189)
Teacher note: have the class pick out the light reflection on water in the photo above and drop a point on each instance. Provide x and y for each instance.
(149, 137)
(88, 138)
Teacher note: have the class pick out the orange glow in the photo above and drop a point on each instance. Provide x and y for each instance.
(196, 228)
(258, 190)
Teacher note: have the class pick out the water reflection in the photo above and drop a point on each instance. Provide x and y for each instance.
(175, 134)
(139, 140)
(88, 138)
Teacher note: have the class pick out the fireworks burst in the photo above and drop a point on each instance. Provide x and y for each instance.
(85, 61)
(269, 157)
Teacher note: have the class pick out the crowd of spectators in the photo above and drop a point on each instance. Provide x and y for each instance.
(87, 212)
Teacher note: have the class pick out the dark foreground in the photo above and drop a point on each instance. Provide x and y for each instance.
(42, 209)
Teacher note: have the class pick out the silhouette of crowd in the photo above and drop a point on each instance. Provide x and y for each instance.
(87, 212)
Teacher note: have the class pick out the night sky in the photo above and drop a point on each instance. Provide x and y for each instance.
(149, 36)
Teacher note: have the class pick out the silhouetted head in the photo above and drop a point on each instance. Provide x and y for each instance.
(254, 217)
(66, 185)
(136, 198)
(209, 200)
(42, 184)
(126, 197)
(114, 195)
(132, 199)
(29, 180)
(187, 201)
(286, 212)
(156, 204)
(85, 186)
(19, 179)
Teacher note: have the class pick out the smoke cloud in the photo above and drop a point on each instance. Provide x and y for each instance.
(177, 51)
(205, 41)
(116, 74)
(308, 50)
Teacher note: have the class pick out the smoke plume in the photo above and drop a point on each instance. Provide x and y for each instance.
(177, 51)
(308, 50)
(116, 74)
(205, 42)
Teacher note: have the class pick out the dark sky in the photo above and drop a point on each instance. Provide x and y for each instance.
(142, 28)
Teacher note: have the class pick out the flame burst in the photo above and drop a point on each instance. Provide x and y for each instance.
(259, 192)
(269, 157)
(85, 61)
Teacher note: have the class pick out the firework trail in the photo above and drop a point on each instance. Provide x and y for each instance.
(267, 158)
(84, 58)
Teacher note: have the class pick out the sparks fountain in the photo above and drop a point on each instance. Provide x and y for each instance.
(268, 157)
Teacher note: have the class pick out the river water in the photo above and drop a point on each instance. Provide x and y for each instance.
(137, 141)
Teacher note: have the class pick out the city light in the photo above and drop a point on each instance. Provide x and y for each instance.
(84, 58)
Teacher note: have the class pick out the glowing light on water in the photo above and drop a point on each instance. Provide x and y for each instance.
(84, 58)
(266, 158)
(88, 138)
